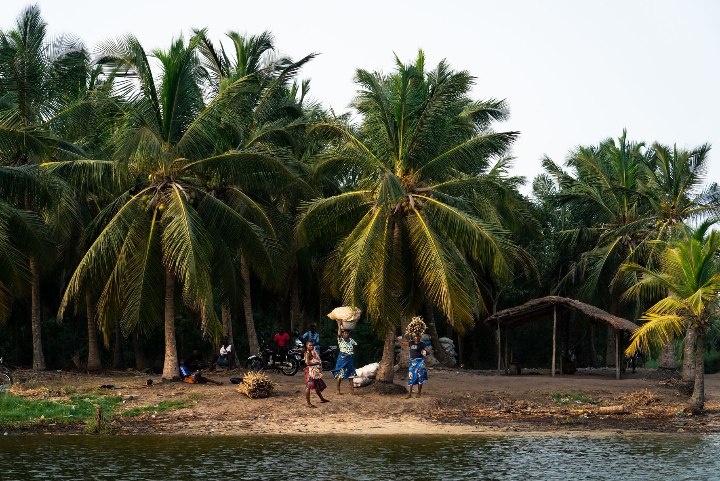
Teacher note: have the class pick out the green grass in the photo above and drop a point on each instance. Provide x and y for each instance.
(571, 397)
(162, 406)
(16, 410)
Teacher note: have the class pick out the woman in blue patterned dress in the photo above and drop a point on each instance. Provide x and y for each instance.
(345, 365)
(417, 372)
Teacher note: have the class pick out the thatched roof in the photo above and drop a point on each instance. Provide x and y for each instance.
(518, 315)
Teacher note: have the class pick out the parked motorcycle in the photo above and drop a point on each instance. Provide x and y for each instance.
(6, 379)
(267, 358)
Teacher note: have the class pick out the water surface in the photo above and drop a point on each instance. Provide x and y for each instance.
(525, 457)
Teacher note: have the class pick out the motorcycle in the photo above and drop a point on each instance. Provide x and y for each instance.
(6, 379)
(267, 358)
(328, 355)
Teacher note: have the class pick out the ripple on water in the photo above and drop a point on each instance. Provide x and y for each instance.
(582, 457)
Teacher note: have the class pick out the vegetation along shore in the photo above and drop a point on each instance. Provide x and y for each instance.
(156, 206)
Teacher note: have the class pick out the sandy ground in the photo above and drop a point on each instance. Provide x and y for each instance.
(453, 402)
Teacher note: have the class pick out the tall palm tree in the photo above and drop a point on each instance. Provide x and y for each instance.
(258, 122)
(160, 231)
(676, 195)
(412, 211)
(39, 81)
(688, 283)
(604, 191)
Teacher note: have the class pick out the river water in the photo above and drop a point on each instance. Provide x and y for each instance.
(520, 457)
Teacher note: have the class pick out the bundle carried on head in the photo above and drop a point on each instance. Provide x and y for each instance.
(347, 315)
(256, 385)
(416, 327)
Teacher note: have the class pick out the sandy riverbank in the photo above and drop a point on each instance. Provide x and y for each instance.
(453, 402)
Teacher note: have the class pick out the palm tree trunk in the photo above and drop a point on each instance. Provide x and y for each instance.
(688, 374)
(667, 357)
(386, 372)
(141, 362)
(118, 357)
(247, 306)
(226, 317)
(295, 310)
(404, 360)
(438, 350)
(93, 359)
(697, 403)
(38, 356)
(171, 368)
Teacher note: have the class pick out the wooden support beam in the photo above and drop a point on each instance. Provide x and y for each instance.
(498, 341)
(554, 340)
(507, 361)
(618, 333)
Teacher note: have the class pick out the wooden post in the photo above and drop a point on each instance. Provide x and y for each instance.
(554, 339)
(499, 347)
(617, 354)
(506, 351)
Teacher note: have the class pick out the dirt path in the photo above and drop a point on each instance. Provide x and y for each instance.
(453, 402)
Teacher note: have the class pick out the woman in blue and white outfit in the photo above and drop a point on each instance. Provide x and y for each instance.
(417, 373)
(345, 365)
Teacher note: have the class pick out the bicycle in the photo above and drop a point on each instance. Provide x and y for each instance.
(6, 379)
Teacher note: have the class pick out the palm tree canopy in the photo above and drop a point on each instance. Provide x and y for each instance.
(416, 181)
(688, 283)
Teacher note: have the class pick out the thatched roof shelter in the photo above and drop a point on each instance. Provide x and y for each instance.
(546, 306)
(536, 308)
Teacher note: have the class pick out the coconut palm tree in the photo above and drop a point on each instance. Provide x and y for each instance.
(161, 230)
(260, 121)
(688, 283)
(676, 195)
(413, 209)
(624, 196)
(39, 84)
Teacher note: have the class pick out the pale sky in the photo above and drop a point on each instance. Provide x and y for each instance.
(573, 72)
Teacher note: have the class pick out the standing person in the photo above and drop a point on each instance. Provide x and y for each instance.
(313, 336)
(345, 365)
(313, 374)
(282, 343)
(417, 372)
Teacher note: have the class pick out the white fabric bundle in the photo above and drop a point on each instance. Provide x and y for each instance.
(345, 313)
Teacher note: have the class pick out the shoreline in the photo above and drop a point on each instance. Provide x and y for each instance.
(454, 403)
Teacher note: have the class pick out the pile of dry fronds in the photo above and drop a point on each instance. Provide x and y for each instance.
(256, 385)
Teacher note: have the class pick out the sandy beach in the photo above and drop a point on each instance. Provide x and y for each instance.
(454, 402)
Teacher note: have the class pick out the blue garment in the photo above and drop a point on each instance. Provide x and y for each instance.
(417, 373)
(184, 371)
(315, 338)
(344, 367)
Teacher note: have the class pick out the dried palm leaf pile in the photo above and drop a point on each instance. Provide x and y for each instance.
(416, 327)
(256, 385)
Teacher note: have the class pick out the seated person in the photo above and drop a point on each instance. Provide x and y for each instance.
(194, 377)
(196, 362)
(282, 343)
(313, 336)
(223, 359)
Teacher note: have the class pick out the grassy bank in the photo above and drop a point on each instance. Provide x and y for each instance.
(75, 409)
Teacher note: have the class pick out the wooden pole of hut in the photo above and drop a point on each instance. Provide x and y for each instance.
(499, 347)
(554, 339)
(617, 354)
